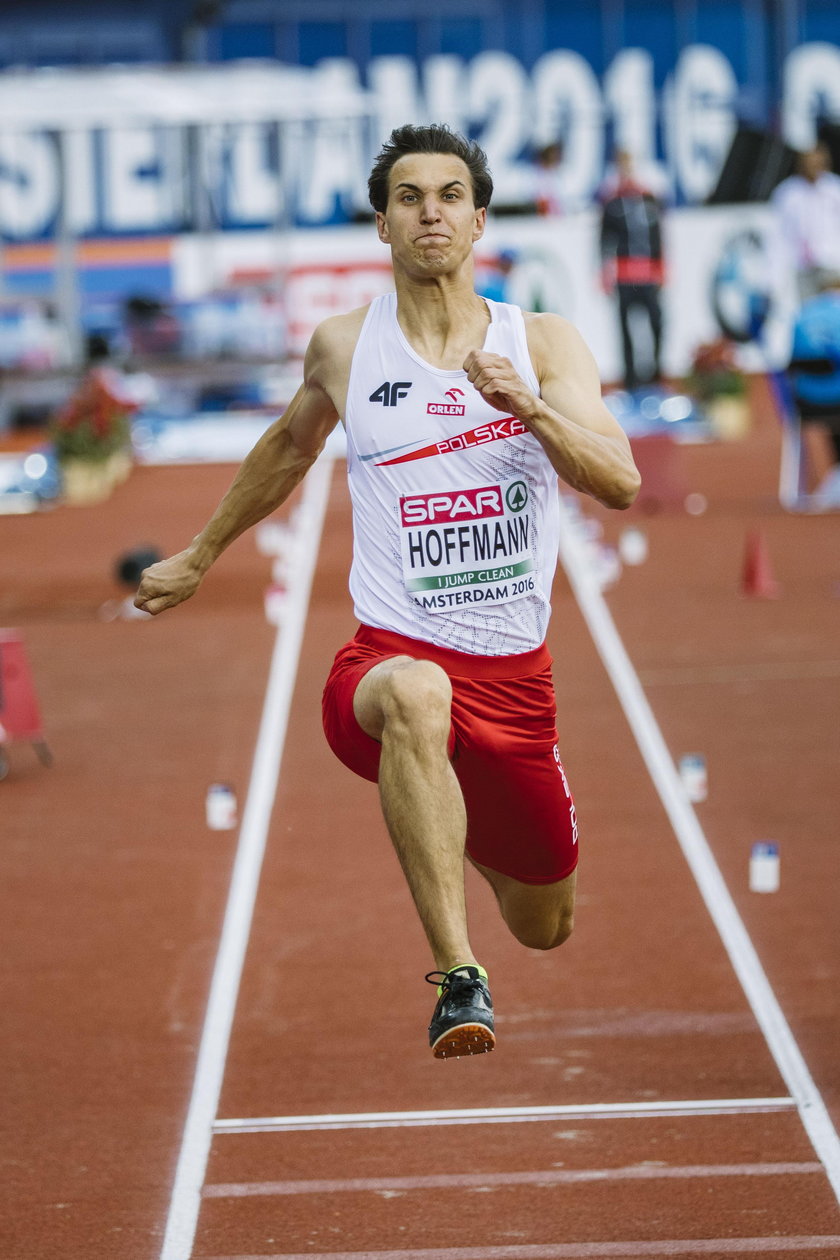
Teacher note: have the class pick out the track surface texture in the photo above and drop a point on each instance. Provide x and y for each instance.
(114, 890)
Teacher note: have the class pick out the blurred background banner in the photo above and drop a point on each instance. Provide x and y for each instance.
(191, 181)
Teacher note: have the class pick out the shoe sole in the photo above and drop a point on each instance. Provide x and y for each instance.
(464, 1040)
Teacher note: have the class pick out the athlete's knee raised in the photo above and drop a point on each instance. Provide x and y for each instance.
(418, 695)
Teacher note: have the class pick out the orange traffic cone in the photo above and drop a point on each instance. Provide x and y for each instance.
(757, 577)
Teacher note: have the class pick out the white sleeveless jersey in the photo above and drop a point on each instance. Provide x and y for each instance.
(455, 504)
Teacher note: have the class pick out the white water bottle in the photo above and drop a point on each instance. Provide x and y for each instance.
(221, 807)
(764, 867)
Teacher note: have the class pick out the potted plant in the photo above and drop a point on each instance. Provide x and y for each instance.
(716, 381)
(91, 437)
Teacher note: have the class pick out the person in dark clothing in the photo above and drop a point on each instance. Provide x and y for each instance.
(631, 262)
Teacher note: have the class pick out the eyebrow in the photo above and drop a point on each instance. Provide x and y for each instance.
(453, 183)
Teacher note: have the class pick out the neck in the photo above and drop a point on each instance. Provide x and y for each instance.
(442, 317)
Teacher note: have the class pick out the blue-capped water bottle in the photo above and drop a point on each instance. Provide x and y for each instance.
(694, 777)
(221, 807)
(764, 867)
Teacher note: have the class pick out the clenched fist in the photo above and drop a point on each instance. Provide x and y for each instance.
(499, 384)
(169, 582)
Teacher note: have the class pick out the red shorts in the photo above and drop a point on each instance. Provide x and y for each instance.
(502, 744)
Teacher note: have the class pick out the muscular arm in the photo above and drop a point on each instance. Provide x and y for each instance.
(586, 446)
(266, 478)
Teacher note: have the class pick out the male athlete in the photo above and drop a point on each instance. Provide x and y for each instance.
(460, 414)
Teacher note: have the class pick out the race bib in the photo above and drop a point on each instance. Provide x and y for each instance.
(471, 546)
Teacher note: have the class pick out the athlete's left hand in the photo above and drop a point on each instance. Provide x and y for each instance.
(499, 384)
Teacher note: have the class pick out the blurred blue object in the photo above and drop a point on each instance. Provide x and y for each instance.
(29, 481)
(652, 410)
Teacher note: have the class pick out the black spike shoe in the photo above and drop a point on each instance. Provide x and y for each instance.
(463, 1020)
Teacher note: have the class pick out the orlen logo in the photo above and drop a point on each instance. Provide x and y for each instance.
(459, 505)
(445, 409)
(453, 408)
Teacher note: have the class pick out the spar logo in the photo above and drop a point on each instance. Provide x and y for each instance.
(456, 506)
(516, 496)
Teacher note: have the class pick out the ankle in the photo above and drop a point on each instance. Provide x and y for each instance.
(464, 963)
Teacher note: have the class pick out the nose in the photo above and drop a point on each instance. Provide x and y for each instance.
(430, 210)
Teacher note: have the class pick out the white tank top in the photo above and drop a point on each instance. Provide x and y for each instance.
(455, 504)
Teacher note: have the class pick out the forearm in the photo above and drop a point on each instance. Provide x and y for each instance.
(265, 479)
(597, 464)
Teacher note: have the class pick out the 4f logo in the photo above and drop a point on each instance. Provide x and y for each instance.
(390, 392)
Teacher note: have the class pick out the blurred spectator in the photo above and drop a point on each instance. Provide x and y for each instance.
(493, 281)
(548, 193)
(632, 263)
(807, 206)
(815, 377)
(151, 327)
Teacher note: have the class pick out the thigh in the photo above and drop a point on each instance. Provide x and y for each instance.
(350, 742)
(521, 819)
(352, 704)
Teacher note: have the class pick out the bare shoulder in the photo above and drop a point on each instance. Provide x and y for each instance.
(334, 340)
(544, 328)
(330, 353)
(555, 344)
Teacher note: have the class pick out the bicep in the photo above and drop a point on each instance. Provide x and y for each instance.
(569, 379)
(309, 418)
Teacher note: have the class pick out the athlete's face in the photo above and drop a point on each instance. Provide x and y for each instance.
(430, 222)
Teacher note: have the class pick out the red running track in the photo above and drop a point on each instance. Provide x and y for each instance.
(667, 1128)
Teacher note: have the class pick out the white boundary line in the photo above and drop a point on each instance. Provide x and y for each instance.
(695, 847)
(480, 1181)
(198, 1130)
(641, 1250)
(504, 1115)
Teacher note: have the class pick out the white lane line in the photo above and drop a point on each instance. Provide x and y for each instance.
(503, 1115)
(198, 1130)
(698, 854)
(467, 1181)
(582, 1250)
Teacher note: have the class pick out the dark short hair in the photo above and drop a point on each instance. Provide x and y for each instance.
(436, 138)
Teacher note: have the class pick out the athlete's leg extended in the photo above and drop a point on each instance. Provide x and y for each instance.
(540, 916)
(405, 704)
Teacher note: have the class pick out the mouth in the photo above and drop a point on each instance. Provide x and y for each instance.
(433, 238)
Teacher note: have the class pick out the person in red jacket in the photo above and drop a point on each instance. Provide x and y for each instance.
(632, 264)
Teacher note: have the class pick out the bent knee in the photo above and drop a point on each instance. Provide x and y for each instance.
(419, 693)
(544, 935)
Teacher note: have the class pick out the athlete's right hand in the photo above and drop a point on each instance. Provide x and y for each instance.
(167, 583)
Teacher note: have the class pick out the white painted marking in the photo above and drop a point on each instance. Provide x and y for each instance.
(503, 1115)
(698, 854)
(195, 1143)
(477, 1181)
(582, 1251)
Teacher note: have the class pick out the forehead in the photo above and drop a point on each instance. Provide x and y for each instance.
(429, 170)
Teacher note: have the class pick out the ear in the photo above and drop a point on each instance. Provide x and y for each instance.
(480, 223)
(382, 228)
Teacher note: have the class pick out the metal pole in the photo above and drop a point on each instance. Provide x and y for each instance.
(67, 290)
